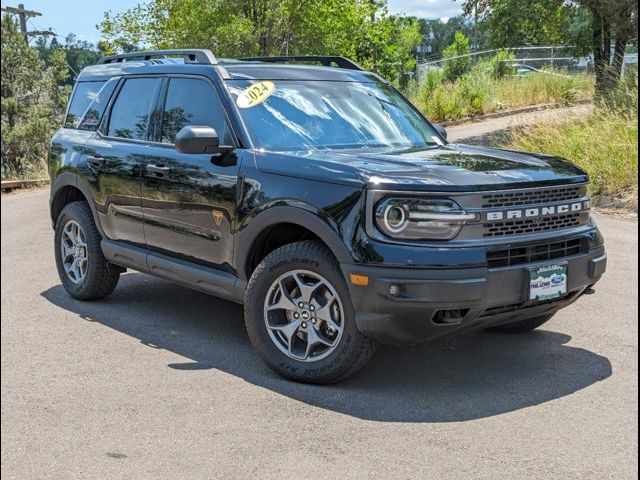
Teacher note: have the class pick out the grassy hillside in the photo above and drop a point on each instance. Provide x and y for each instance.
(605, 143)
(479, 92)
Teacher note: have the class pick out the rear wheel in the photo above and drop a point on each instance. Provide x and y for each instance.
(299, 316)
(82, 268)
(522, 326)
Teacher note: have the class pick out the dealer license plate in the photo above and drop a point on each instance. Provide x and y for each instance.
(547, 283)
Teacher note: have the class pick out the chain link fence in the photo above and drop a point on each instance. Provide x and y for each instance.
(529, 59)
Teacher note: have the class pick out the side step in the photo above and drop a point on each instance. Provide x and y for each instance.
(207, 280)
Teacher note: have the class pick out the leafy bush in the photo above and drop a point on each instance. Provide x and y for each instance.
(474, 89)
(502, 64)
(569, 91)
(457, 64)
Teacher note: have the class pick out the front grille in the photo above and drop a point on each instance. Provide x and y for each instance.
(544, 224)
(509, 257)
(531, 197)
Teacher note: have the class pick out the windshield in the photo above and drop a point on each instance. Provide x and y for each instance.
(293, 114)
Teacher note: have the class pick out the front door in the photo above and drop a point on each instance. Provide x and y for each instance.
(189, 202)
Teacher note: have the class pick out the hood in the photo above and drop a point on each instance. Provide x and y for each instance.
(451, 167)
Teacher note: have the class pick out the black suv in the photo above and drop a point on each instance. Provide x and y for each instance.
(316, 195)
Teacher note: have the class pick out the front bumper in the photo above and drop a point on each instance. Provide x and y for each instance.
(436, 302)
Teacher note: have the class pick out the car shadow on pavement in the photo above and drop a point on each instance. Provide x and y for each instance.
(459, 378)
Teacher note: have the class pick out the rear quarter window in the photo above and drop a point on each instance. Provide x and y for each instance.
(96, 109)
(83, 94)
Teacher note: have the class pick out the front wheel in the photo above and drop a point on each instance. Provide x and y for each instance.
(299, 316)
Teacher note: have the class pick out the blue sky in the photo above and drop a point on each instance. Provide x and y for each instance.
(81, 17)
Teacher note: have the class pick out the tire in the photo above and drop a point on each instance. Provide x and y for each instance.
(95, 279)
(337, 352)
(522, 326)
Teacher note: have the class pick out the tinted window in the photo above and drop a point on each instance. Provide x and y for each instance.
(94, 112)
(191, 102)
(131, 110)
(83, 95)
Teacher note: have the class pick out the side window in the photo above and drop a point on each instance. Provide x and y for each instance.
(94, 112)
(83, 94)
(131, 110)
(191, 102)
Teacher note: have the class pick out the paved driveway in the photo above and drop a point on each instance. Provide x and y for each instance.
(158, 381)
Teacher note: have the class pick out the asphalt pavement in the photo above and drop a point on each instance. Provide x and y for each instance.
(494, 131)
(158, 381)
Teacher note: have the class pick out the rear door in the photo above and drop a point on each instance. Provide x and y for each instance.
(115, 154)
(189, 200)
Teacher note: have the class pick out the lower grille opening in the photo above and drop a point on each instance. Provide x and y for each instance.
(490, 312)
(509, 257)
(448, 317)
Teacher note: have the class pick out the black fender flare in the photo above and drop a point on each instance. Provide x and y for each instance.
(312, 220)
(71, 179)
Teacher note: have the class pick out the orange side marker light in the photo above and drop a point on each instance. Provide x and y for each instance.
(360, 280)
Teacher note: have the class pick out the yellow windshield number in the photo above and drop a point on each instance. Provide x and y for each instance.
(255, 94)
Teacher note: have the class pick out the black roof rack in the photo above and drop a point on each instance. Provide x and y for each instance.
(325, 60)
(199, 56)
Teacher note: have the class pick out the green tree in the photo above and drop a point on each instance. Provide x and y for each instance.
(397, 41)
(603, 26)
(236, 28)
(78, 53)
(438, 34)
(512, 23)
(613, 26)
(32, 100)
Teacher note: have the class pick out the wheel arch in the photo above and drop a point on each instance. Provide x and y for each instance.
(301, 224)
(67, 188)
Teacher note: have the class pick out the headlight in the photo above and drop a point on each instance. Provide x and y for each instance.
(421, 219)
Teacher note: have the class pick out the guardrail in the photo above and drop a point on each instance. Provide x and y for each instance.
(8, 185)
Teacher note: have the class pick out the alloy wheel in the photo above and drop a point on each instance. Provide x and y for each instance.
(74, 251)
(304, 315)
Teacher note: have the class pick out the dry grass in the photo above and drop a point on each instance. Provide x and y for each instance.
(477, 93)
(540, 88)
(605, 144)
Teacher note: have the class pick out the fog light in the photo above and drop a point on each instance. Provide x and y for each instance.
(394, 290)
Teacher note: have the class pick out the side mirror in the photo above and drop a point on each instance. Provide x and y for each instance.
(199, 139)
(441, 130)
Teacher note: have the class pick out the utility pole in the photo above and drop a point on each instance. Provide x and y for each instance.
(23, 16)
(475, 27)
(374, 67)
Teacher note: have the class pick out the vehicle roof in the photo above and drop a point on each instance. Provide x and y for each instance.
(229, 69)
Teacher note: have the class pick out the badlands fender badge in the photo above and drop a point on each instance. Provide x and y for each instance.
(217, 216)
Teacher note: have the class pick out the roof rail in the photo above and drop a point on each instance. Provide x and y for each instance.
(199, 56)
(325, 60)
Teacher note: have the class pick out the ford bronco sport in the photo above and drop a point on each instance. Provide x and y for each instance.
(318, 197)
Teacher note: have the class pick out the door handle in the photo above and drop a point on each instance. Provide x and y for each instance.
(95, 162)
(159, 171)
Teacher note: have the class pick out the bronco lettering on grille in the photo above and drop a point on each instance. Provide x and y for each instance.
(535, 212)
